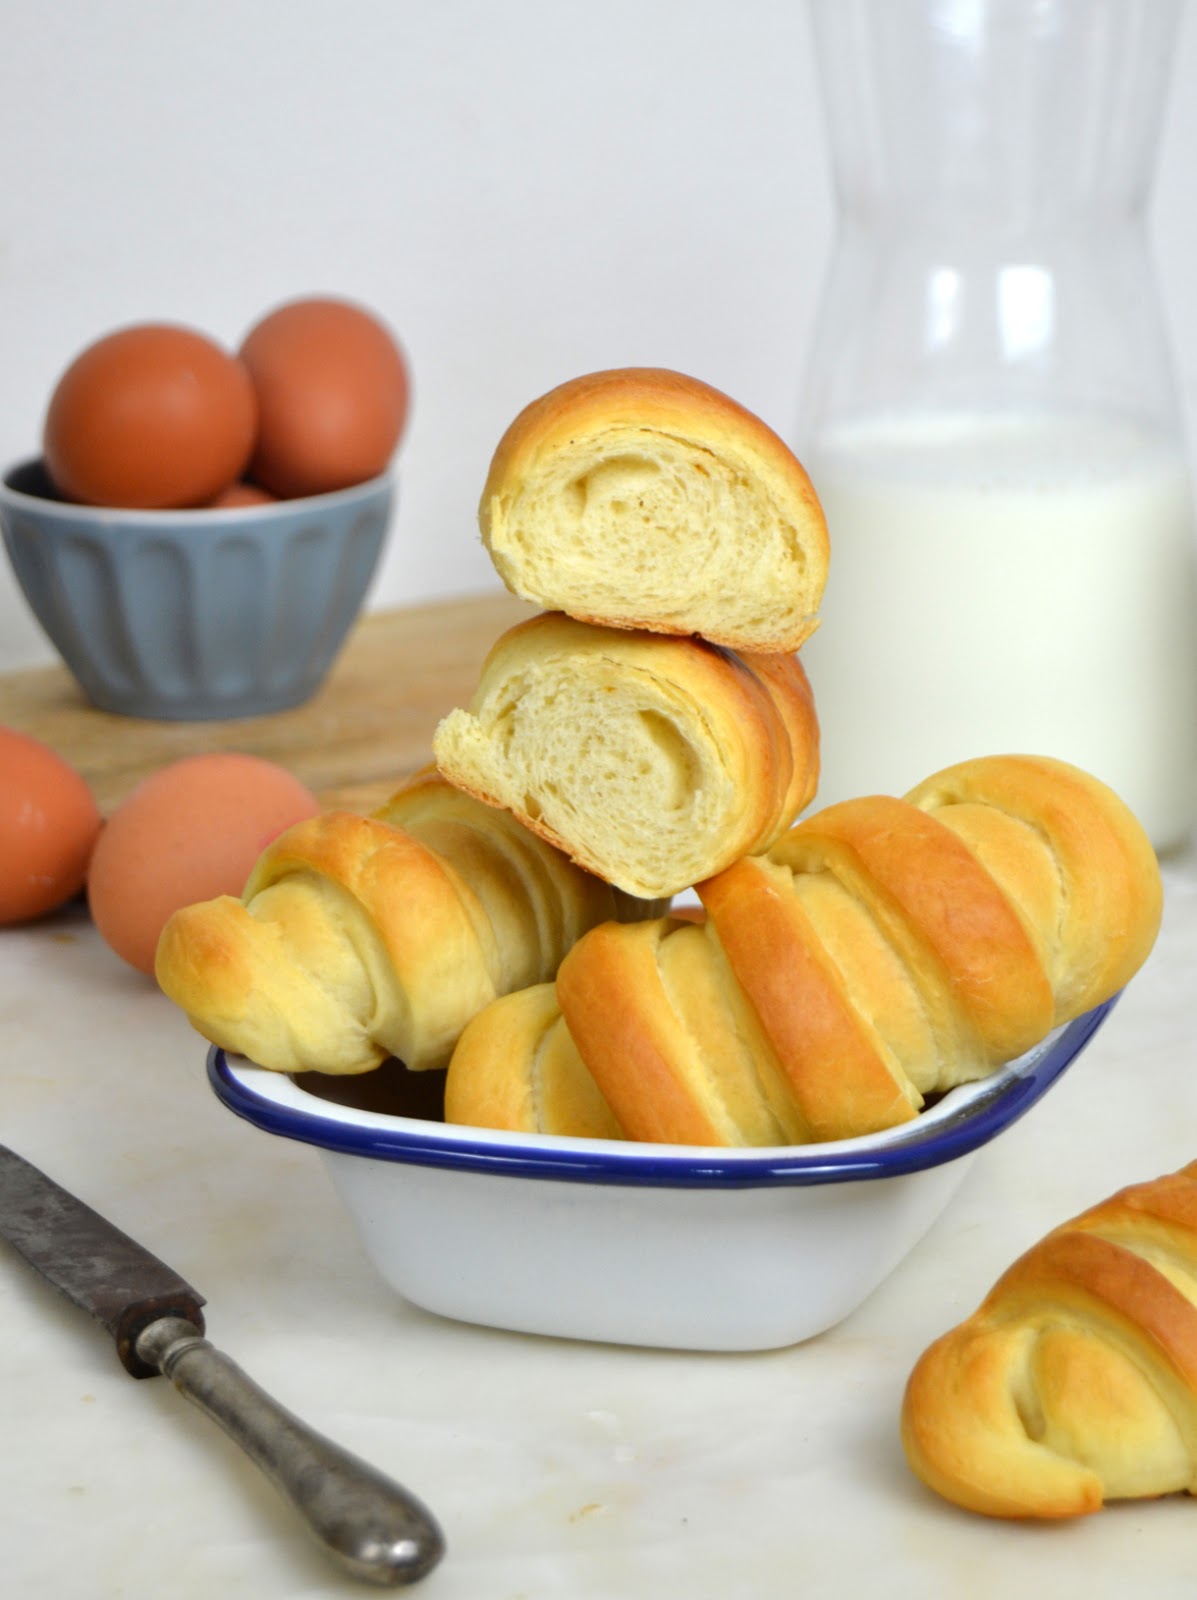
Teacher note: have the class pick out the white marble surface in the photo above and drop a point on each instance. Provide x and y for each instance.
(557, 1469)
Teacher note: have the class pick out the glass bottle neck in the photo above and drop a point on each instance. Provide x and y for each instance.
(1005, 115)
(993, 160)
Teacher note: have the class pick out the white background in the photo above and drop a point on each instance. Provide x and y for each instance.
(525, 191)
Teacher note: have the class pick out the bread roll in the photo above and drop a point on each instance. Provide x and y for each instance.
(908, 946)
(521, 1071)
(671, 1041)
(362, 937)
(882, 951)
(650, 761)
(1075, 1382)
(641, 498)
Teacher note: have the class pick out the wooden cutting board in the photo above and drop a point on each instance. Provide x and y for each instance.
(368, 726)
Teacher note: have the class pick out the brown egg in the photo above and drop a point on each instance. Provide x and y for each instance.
(189, 832)
(48, 824)
(242, 494)
(332, 391)
(152, 416)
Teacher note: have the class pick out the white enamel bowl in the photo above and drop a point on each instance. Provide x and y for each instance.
(674, 1246)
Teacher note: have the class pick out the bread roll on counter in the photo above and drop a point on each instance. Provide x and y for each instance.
(1075, 1382)
(650, 761)
(882, 951)
(641, 498)
(359, 937)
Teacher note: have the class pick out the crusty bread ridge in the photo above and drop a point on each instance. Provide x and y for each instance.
(1075, 1381)
(882, 951)
(650, 761)
(362, 937)
(642, 498)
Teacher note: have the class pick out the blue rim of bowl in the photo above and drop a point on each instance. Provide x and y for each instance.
(964, 1120)
(183, 517)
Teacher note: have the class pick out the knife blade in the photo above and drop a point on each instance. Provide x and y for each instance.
(371, 1526)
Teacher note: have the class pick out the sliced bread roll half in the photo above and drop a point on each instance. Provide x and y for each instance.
(652, 762)
(641, 498)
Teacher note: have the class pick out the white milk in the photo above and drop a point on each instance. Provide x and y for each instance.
(1016, 584)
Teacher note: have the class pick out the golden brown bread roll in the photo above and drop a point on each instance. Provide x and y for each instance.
(362, 937)
(521, 1070)
(1075, 1382)
(641, 498)
(650, 761)
(881, 951)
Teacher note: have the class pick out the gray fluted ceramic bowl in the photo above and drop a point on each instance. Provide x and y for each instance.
(195, 615)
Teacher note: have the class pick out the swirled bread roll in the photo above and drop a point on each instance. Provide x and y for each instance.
(894, 948)
(1075, 1382)
(362, 937)
(641, 498)
(650, 761)
(519, 1069)
(881, 951)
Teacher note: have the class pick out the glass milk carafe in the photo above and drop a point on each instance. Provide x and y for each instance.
(989, 415)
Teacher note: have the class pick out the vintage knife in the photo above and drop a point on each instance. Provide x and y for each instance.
(371, 1526)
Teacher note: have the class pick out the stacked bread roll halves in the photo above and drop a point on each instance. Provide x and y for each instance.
(653, 722)
(659, 511)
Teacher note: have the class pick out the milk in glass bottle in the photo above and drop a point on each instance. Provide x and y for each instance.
(989, 415)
